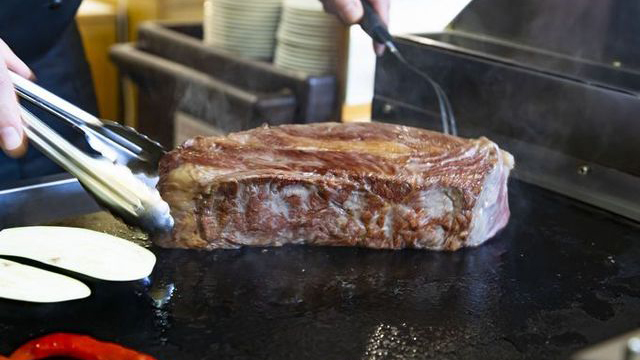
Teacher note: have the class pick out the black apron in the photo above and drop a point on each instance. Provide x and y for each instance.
(44, 35)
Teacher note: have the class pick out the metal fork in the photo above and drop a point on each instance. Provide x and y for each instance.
(373, 25)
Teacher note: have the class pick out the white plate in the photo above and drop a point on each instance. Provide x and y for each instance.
(309, 44)
(279, 59)
(229, 16)
(319, 26)
(297, 62)
(248, 54)
(259, 32)
(245, 12)
(315, 31)
(309, 15)
(245, 49)
(308, 51)
(315, 46)
(231, 46)
(318, 32)
(307, 39)
(240, 46)
(245, 4)
(331, 40)
(243, 33)
(314, 57)
(307, 59)
(306, 67)
(240, 39)
(309, 5)
(246, 42)
(301, 20)
(295, 59)
(307, 71)
(292, 69)
(314, 20)
(292, 58)
(289, 14)
(227, 22)
(314, 15)
(244, 18)
(258, 29)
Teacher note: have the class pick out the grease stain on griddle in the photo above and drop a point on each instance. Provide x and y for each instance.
(106, 223)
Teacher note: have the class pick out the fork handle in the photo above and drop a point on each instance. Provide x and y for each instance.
(373, 25)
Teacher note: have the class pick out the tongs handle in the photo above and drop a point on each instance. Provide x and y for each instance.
(49, 101)
(118, 143)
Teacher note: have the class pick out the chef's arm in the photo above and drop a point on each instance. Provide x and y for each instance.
(350, 12)
(12, 138)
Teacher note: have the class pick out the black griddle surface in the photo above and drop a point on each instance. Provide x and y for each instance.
(561, 276)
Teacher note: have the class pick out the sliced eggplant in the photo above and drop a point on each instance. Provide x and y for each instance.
(87, 252)
(27, 283)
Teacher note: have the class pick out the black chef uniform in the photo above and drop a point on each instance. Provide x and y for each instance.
(43, 33)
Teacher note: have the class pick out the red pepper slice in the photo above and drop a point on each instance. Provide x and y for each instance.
(80, 347)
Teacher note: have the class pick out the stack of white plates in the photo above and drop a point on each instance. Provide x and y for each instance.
(307, 38)
(244, 27)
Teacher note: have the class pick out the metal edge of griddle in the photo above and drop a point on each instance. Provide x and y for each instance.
(444, 46)
(42, 200)
(588, 182)
(604, 187)
(613, 349)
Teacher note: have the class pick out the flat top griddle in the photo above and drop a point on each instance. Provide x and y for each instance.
(561, 276)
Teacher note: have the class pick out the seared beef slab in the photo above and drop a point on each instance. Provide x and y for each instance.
(360, 184)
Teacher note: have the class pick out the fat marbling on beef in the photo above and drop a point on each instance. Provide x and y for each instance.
(359, 184)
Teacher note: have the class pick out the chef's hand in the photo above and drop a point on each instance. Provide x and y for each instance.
(12, 138)
(350, 12)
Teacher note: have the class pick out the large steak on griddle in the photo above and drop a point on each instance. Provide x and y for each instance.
(361, 184)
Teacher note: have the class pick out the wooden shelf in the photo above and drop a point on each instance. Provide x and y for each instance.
(97, 24)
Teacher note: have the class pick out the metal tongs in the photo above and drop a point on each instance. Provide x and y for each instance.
(122, 178)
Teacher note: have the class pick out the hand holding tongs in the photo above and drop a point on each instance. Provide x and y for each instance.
(122, 179)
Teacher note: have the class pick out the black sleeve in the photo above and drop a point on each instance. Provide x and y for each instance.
(32, 27)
